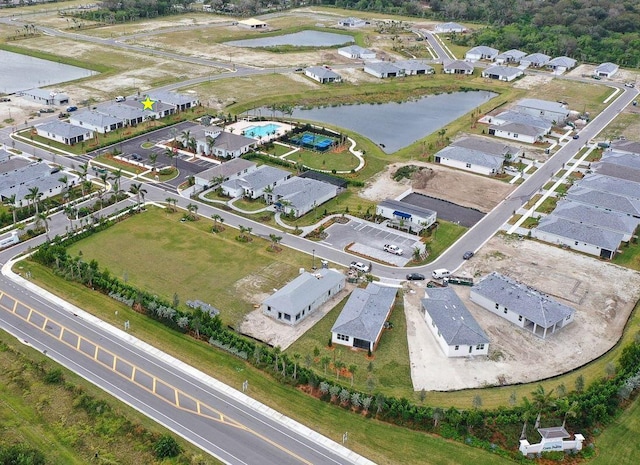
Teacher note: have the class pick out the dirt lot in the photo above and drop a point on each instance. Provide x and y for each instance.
(515, 355)
(440, 182)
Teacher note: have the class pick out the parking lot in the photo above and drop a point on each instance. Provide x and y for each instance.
(368, 239)
(447, 211)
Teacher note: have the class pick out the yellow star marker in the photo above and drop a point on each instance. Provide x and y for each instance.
(147, 104)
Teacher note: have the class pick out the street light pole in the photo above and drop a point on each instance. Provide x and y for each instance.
(313, 259)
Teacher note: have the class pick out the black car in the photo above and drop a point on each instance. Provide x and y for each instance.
(576, 136)
(467, 255)
(136, 157)
(415, 277)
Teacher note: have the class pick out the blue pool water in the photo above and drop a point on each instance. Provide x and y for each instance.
(263, 131)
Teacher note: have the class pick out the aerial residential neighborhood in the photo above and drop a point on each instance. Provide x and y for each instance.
(333, 230)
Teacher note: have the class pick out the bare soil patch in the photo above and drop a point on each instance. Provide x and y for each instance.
(515, 355)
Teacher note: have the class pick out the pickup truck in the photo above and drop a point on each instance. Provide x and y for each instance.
(359, 266)
(394, 249)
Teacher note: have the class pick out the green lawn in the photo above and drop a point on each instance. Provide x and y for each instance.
(343, 161)
(118, 164)
(619, 442)
(443, 237)
(277, 150)
(347, 202)
(547, 205)
(249, 205)
(630, 256)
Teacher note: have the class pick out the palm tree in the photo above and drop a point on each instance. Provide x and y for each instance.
(352, 370)
(170, 154)
(192, 144)
(72, 214)
(185, 136)
(64, 180)
(274, 241)
(10, 201)
(153, 158)
(276, 352)
(193, 210)
(171, 200)
(215, 219)
(324, 361)
(138, 191)
(296, 357)
(43, 218)
(86, 186)
(211, 142)
(116, 181)
(34, 195)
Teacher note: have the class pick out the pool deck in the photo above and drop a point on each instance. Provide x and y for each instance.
(240, 126)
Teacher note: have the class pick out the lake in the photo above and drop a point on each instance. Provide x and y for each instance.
(21, 72)
(297, 39)
(394, 126)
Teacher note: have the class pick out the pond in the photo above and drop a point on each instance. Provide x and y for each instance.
(394, 126)
(297, 39)
(21, 72)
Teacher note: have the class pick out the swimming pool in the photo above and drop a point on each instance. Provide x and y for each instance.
(262, 131)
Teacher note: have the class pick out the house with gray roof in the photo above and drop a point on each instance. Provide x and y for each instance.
(604, 200)
(560, 65)
(45, 97)
(489, 146)
(458, 334)
(158, 110)
(179, 101)
(253, 184)
(582, 237)
(522, 305)
(61, 131)
(10, 162)
(213, 141)
(468, 159)
(481, 52)
(627, 146)
(446, 28)
(554, 112)
(297, 196)
(322, 75)
(606, 70)
(510, 56)
(535, 60)
(502, 73)
(616, 186)
(519, 126)
(234, 168)
(598, 218)
(95, 121)
(301, 297)
(618, 165)
(129, 114)
(382, 69)
(406, 216)
(18, 182)
(457, 67)
(363, 317)
(355, 52)
(414, 67)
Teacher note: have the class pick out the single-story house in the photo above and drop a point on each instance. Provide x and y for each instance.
(481, 52)
(18, 182)
(472, 160)
(254, 183)
(616, 186)
(98, 122)
(129, 114)
(322, 75)
(502, 73)
(458, 334)
(159, 109)
(413, 67)
(181, 102)
(355, 52)
(597, 217)
(521, 305)
(489, 146)
(561, 64)
(535, 60)
(457, 67)
(405, 215)
(586, 238)
(626, 146)
(519, 126)
(445, 28)
(234, 168)
(340, 184)
(618, 165)
(363, 317)
(606, 70)
(45, 97)
(551, 111)
(301, 297)
(297, 196)
(382, 69)
(10, 162)
(213, 141)
(510, 56)
(252, 23)
(64, 132)
(352, 22)
(604, 200)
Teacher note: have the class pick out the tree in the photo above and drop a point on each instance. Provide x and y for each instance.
(274, 241)
(296, 358)
(166, 447)
(186, 137)
(153, 158)
(116, 176)
(170, 201)
(276, 352)
(192, 208)
(34, 195)
(139, 192)
(211, 142)
(325, 361)
(170, 153)
(417, 254)
(42, 218)
(352, 370)
(10, 201)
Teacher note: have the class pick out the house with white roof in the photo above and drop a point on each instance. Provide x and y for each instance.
(606, 70)
(234, 168)
(322, 75)
(254, 183)
(64, 132)
(45, 97)
(95, 121)
(554, 112)
(301, 297)
(582, 237)
(562, 64)
(297, 196)
(458, 334)
(405, 215)
(510, 56)
(180, 101)
(352, 22)
(252, 23)
(445, 28)
(535, 60)
(502, 73)
(522, 305)
(382, 69)
(363, 317)
(414, 67)
(604, 200)
(457, 67)
(481, 52)
(355, 52)
(469, 159)
(597, 218)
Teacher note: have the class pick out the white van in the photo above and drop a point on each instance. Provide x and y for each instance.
(440, 273)
(120, 98)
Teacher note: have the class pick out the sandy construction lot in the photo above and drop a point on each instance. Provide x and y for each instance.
(515, 355)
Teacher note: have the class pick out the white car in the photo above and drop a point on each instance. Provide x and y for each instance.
(359, 266)
(394, 249)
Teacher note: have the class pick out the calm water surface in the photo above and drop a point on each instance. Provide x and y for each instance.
(297, 39)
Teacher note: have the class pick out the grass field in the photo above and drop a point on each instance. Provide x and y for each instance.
(579, 96)
(329, 160)
(625, 124)
(619, 442)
